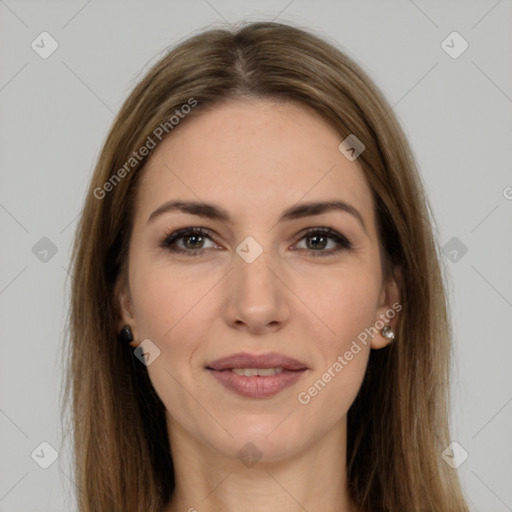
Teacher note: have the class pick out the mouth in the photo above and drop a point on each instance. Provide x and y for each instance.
(257, 376)
(244, 361)
(261, 372)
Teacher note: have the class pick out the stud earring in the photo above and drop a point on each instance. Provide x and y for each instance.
(388, 333)
(126, 336)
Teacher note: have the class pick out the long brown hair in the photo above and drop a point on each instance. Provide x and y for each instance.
(398, 424)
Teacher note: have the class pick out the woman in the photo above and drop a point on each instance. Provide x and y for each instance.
(258, 316)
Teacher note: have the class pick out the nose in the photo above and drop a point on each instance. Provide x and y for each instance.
(256, 295)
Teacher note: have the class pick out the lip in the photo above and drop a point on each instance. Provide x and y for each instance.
(245, 360)
(257, 386)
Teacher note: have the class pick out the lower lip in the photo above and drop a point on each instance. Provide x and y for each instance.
(256, 386)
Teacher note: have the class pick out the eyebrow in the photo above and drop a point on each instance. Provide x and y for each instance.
(299, 211)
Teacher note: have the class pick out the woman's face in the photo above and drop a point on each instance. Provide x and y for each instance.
(255, 283)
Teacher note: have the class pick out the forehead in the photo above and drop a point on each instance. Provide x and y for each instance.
(253, 157)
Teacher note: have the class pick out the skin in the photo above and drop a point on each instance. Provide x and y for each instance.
(255, 158)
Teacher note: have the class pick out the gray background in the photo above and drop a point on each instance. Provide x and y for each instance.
(55, 114)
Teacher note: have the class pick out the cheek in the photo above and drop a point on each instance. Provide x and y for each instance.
(164, 299)
(332, 387)
(346, 307)
(345, 303)
(170, 309)
(175, 310)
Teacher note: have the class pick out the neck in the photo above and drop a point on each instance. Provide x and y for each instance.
(313, 479)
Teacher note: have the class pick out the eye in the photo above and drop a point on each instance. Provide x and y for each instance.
(191, 241)
(319, 240)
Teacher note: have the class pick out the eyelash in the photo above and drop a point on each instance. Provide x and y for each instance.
(342, 241)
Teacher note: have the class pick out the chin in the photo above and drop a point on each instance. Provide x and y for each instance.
(268, 439)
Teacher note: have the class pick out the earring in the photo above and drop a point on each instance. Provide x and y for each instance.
(388, 333)
(126, 336)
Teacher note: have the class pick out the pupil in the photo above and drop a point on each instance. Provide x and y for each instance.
(193, 246)
(316, 237)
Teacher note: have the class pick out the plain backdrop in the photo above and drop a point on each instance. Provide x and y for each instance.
(456, 109)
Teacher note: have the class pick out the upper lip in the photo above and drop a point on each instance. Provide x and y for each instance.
(244, 360)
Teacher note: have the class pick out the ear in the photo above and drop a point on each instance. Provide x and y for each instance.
(125, 309)
(388, 307)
